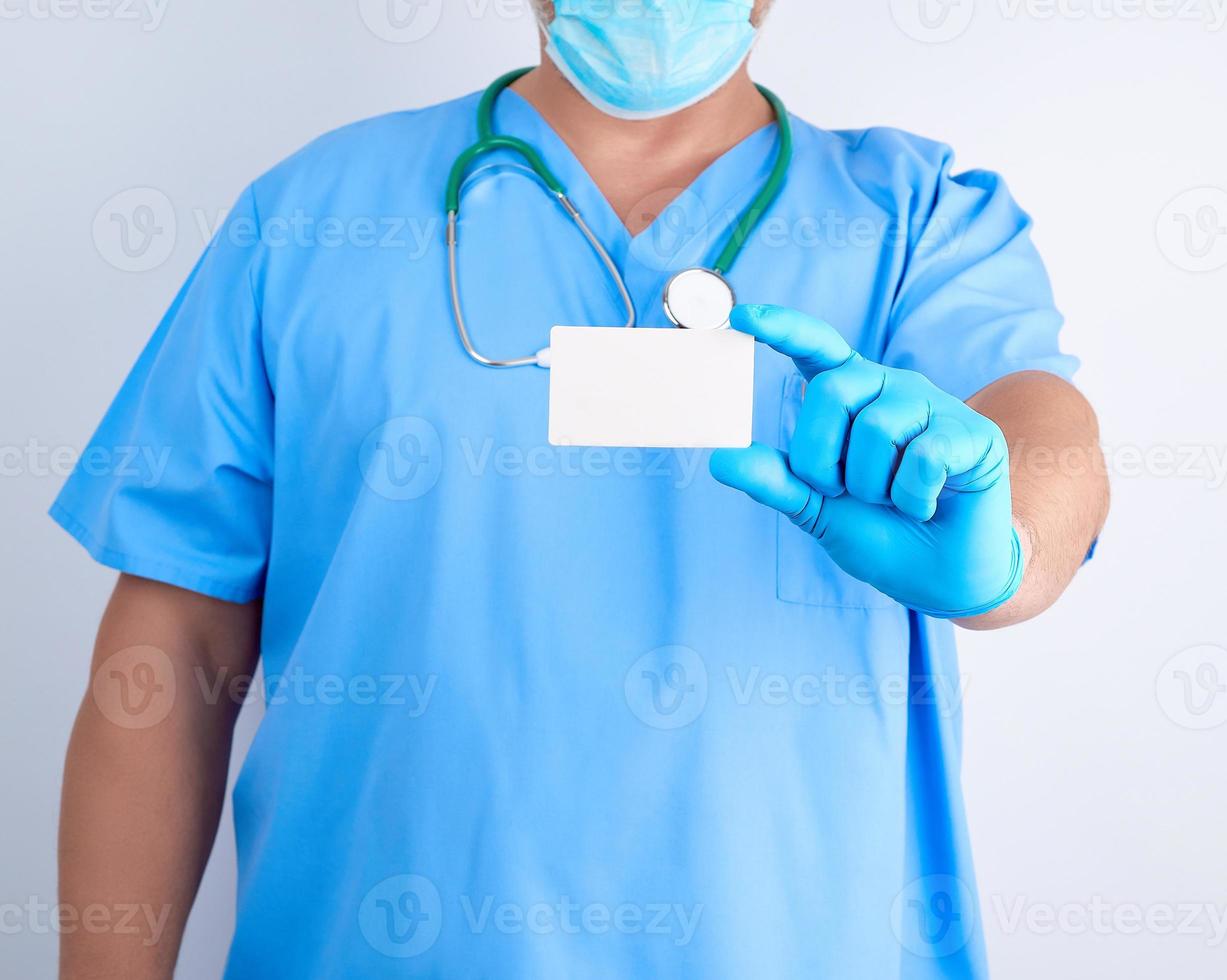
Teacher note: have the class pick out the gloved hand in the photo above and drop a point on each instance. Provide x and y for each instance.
(906, 487)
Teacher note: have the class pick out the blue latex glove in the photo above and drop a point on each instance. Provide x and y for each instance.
(906, 487)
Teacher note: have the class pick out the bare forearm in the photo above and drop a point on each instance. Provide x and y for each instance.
(137, 823)
(1058, 482)
(145, 779)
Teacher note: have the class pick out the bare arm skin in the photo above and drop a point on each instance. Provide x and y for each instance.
(145, 777)
(1059, 485)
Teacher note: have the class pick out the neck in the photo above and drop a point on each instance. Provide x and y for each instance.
(642, 165)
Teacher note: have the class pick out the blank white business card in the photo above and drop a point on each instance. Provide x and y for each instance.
(654, 388)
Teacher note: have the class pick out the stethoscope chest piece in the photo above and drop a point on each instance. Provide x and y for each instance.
(699, 299)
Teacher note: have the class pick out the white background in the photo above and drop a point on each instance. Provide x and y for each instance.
(1090, 777)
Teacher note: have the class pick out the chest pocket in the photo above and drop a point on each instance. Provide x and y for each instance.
(805, 573)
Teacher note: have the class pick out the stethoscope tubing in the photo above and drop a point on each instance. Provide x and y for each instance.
(488, 142)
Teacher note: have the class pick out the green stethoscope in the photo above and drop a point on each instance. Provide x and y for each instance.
(698, 298)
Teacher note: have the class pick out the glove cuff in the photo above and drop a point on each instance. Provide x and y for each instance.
(1012, 586)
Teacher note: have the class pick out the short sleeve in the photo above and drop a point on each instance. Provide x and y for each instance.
(176, 484)
(974, 303)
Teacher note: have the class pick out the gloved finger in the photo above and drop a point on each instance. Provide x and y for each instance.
(982, 456)
(820, 443)
(880, 434)
(926, 466)
(763, 474)
(813, 345)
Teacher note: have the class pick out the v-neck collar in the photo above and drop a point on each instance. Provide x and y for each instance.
(689, 231)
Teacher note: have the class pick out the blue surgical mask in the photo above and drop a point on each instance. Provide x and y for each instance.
(641, 59)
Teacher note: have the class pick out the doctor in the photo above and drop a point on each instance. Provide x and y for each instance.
(556, 713)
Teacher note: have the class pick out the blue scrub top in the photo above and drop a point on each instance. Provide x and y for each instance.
(538, 712)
